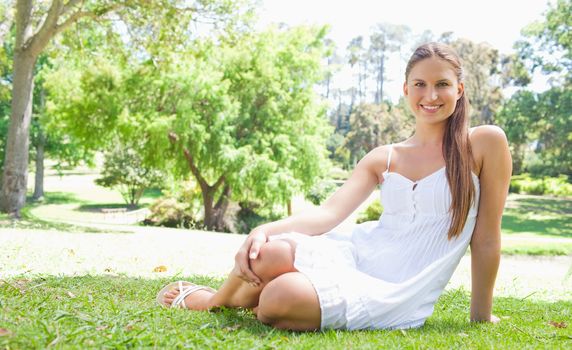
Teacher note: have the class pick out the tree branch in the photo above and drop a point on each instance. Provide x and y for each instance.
(51, 28)
(41, 38)
(202, 182)
(72, 19)
(69, 6)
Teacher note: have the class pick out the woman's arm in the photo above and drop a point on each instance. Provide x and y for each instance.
(496, 169)
(338, 206)
(318, 220)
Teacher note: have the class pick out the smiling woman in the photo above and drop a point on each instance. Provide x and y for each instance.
(298, 274)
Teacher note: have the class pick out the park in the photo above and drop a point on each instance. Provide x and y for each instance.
(141, 141)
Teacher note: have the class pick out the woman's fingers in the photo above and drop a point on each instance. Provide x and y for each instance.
(244, 271)
(255, 248)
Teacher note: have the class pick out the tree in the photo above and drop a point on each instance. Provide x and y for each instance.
(372, 125)
(239, 116)
(357, 55)
(482, 79)
(35, 28)
(124, 169)
(544, 120)
(548, 44)
(385, 39)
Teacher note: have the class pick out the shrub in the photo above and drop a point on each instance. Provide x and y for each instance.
(321, 191)
(557, 186)
(180, 207)
(252, 214)
(124, 170)
(372, 212)
(170, 213)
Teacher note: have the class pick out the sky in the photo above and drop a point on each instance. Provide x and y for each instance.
(497, 22)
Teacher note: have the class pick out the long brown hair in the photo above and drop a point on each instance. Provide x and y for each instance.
(456, 146)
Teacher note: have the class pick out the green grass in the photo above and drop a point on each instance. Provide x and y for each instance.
(30, 221)
(541, 216)
(120, 312)
(545, 249)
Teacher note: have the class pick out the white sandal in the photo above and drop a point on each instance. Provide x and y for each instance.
(185, 288)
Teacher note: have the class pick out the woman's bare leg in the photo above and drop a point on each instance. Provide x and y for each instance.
(290, 302)
(275, 258)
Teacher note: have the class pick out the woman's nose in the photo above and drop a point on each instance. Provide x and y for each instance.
(431, 94)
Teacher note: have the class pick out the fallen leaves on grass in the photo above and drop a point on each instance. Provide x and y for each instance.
(5, 332)
(71, 295)
(232, 328)
(558, 324)
(160, 268)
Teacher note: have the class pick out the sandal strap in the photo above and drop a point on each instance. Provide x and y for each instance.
(180, 299)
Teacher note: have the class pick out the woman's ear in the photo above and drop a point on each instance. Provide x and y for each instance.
(405, 90)
(460, 90)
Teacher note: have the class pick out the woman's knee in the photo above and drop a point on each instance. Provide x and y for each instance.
(290, 301)
(275, 258)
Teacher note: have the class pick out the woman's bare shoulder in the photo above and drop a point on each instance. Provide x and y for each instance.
(376, 160)
(487, 137)
(486, 141)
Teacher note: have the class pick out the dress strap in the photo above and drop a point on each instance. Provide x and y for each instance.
(389, 157)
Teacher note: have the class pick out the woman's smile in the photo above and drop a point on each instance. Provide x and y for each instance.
(430, 108)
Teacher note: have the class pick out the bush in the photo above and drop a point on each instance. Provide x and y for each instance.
(321, 191)
(556, 186)
(181, 207)
(170, 213)
(251, 215)
(372, 213)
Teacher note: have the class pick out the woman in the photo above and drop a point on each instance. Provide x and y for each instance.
(389, 273)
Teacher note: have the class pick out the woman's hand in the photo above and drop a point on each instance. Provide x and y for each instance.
(248, 252)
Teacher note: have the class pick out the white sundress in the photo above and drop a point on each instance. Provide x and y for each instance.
(387, 274)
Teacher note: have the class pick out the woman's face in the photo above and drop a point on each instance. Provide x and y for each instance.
(432, 90)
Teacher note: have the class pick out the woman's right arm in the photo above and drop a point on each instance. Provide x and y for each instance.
(321, 219)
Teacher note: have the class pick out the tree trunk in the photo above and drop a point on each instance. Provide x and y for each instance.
(39, 183)
(14, 181)
(221, 207)
(208, 199)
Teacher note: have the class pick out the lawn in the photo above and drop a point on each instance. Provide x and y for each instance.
(120, 312)
(538, 215)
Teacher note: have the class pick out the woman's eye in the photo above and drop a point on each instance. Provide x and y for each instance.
(443, 84)
(419, 84)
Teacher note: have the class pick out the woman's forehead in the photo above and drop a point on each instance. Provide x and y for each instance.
(434, 69)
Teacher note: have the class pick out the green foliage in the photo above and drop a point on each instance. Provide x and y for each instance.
(371, 213)
(252, 214)
(180, 207)
(480, 64)
(321, 191)
(548, 43)
(375, 125)
(244, 112)
(123, 169)
(526, 184)
(539, 124)
(169, 212)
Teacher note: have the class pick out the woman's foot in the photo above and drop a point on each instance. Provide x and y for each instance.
(199, 300)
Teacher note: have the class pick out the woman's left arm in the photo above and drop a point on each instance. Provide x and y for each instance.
(490, 142)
